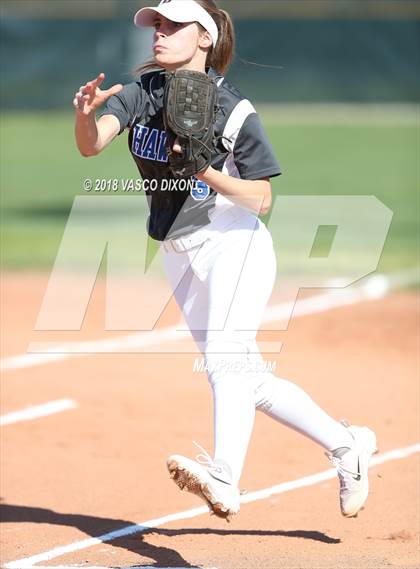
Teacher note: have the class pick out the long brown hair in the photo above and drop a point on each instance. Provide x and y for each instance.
(219, 57)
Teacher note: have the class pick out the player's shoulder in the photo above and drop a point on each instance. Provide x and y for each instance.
(231, 91)
(230, 96)
(144, 83)
(151, 80)
(131, 92)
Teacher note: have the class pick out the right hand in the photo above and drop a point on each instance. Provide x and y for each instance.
(89, 97)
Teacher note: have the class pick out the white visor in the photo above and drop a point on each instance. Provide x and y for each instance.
(180, 11)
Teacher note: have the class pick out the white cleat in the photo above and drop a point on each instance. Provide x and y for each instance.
(211, 482)
(352, 468)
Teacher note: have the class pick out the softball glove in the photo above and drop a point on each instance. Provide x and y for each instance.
(189, 111)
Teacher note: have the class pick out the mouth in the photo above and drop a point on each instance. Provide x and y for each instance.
(158, 47)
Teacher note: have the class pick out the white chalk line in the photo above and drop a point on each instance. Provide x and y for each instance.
(37, 411)
(29, 562)
(374, 287)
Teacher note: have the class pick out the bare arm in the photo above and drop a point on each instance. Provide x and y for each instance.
(93, 136)
(254, 195)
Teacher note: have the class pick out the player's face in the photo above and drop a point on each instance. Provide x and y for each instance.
(174, 44)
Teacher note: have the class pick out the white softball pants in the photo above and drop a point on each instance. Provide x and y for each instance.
(222, 288)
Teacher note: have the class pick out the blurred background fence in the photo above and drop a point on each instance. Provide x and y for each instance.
(319, 50)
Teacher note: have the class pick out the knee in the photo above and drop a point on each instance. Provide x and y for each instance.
(226, 360)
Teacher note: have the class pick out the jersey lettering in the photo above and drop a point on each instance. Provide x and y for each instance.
(138, 139)
(150, 150)
(149, 143)
(162, 155)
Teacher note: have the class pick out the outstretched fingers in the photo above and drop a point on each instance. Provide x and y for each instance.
(98, 81)
(80, 98)
(90, 96)
(90, 87)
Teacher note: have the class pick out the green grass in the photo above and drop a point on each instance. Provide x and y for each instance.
(382, 161)
(42, 172)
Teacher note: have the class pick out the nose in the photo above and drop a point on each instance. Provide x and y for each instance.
(158, 35)
(163, 29)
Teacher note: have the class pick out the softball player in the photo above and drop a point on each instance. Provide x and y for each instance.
(217, 253)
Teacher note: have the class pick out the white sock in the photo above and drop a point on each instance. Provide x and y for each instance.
(289, 404)
(234, 414)
(235, 400)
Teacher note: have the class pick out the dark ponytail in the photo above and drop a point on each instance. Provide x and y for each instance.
(221, 56)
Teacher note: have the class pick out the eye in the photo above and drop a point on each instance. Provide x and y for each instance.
(157, 24)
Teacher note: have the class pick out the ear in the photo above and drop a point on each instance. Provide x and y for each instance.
(205, 40)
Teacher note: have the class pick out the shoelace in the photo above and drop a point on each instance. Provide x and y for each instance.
(337, 461)
(206, 460)
(344, 473)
